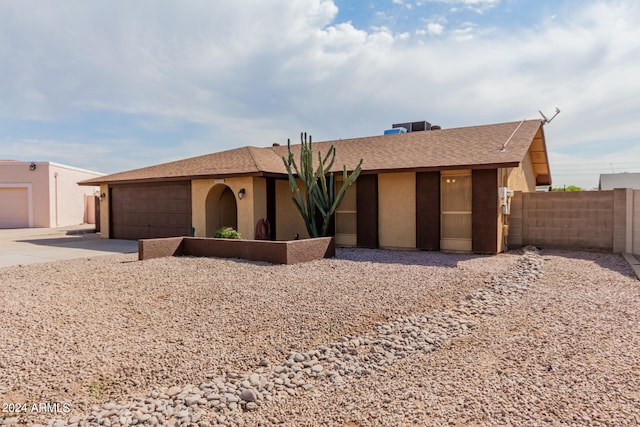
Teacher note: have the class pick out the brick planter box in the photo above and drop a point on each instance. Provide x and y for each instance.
(276, 252)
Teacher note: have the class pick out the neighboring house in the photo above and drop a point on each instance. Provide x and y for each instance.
(44, 194)
(610, 181)
(431, 189)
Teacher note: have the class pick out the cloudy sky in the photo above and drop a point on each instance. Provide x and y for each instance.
(113, 85)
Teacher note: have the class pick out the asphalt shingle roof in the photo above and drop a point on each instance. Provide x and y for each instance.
(466, 147)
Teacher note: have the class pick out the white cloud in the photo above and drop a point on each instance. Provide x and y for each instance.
(478, 6)
(255, 72)
(435, 29)
(464, 33)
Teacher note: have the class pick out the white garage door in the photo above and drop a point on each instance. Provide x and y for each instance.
(14, 207)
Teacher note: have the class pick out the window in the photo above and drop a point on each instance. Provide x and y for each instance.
(455, 193)
(346, 226)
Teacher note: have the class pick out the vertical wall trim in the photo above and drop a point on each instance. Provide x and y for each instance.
(428, 210)
(367, 211)
(110, 210)
(271, 205)
(635, 224)
(621, 200)
(484, 211)
(629, 224)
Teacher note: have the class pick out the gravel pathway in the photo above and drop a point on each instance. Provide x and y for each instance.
(369, 338)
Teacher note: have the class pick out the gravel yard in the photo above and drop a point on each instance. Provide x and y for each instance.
(369, 338)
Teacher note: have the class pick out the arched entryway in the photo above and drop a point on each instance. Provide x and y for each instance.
(221, 209)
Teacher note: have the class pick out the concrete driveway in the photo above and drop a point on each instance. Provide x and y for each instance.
(35, 245)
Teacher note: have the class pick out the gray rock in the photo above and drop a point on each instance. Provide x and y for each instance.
(254, 379)
(192, 400)
(173, 391)
(248, 395)
(213, 396)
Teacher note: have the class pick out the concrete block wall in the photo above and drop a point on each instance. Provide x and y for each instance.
(585, 220)
(635, 228)
(622, 207)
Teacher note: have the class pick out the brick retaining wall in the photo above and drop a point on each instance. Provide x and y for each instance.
(277, 252)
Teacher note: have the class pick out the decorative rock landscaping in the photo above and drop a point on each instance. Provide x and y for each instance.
(448, 343)
(351, 357)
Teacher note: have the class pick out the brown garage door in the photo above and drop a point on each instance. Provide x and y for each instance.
(144, 211)
(14, 207)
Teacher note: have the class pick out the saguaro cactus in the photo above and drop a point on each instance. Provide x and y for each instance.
(319, 191)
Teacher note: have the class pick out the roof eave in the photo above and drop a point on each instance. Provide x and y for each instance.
(175, 178)
(442, 168)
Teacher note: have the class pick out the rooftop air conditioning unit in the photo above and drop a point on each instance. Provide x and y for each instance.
(395, 131)
(413, 126)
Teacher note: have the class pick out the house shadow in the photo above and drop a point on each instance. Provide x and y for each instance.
(406, 257)
(89, 242)
(611, 261)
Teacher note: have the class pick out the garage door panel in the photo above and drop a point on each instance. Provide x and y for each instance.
(168, 206)
(146, 232)
(14, 207)
(151, 210)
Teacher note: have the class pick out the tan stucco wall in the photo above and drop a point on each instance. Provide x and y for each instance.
(522, 178)
(199, 191)
(397, 210)
(259, 201)
(104, 211)
(288, 218)
(251, 208)
(67, 206)
(42, 184)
